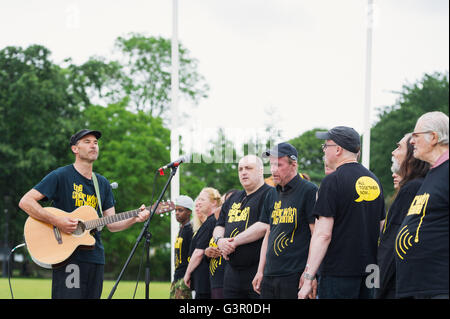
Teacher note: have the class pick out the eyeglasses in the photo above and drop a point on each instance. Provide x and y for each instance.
(324, 146)
(416, 134)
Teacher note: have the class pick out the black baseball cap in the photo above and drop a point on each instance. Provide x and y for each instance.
(345, 137)
(282, 149)
(75, 137)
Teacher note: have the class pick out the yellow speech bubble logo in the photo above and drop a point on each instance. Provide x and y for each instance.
(367, 189)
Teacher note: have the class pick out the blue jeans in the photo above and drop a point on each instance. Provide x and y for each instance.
(332, 287)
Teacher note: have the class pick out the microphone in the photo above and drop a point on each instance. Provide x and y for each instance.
(114, 185)
(176, 163)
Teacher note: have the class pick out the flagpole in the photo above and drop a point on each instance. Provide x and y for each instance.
(367, 104)
(174, 135)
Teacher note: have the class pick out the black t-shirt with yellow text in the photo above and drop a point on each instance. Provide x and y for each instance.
(353, 196)
(289, 211)
(238, 213)
(216, 268)
(394, 218)
(182, 245)
(200, 240)
(68, 190)
(421, 245)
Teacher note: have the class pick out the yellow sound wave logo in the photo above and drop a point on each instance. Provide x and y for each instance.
(234, 233)
(214, 263)
(280, 243)
(403, 241)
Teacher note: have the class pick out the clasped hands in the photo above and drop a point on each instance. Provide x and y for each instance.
(225, 246)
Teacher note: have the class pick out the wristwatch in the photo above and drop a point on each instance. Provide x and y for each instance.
(308, 276)
(216, 239)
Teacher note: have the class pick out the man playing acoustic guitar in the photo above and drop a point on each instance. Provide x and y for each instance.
(70, 187)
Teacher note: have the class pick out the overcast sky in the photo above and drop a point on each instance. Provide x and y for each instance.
(303, 58)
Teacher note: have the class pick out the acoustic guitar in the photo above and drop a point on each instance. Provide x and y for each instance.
(49, 247)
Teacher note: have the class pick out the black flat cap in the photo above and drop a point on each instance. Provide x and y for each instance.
(345, 137)
(75, 137)
(282, 149)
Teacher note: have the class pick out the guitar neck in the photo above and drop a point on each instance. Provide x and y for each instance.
(100, 222)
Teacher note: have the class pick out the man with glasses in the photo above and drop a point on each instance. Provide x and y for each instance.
(348, 211)
(422, 242)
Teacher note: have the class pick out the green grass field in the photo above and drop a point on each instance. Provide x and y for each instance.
(41, 289)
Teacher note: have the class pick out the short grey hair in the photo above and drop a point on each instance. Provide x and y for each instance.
(436, 122)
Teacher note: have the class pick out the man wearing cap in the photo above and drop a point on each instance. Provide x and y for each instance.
(183, 209)
(70, 187)
(291, 222)
(349, 211)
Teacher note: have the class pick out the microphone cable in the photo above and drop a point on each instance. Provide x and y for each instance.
(9, 267)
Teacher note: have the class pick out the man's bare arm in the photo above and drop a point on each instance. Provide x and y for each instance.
(29, 204)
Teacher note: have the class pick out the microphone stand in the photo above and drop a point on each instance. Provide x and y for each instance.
(147, 235)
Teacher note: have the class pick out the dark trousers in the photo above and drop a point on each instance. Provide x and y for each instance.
(77, 280)
(237, 283)
(204, 295)
(332, 287)
(280, 287)
(439, 296)
(217, 293)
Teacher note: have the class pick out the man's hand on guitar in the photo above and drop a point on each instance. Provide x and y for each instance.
(66, 224)
(143, 215)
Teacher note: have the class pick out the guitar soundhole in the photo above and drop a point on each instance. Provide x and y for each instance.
(80, 229)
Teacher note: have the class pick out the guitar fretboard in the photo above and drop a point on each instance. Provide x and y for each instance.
(91, 224)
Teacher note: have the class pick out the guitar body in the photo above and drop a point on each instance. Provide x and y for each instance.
(48, 246)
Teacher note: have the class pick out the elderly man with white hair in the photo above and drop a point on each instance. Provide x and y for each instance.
(421, 244)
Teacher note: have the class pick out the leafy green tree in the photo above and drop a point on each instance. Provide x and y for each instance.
(310, 154)
(146, 64)
(38, 114)
(217, 167)
(428, 94)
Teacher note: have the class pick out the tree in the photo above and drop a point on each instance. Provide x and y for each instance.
(428, 94)
(217, 167)
(141, 72)
(38, 114)
(310, 154)
(147, 65)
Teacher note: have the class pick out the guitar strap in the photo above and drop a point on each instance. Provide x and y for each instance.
(99, 200)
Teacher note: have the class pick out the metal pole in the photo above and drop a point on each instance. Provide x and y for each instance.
(6, 200)
(174, 135)
(367, 104)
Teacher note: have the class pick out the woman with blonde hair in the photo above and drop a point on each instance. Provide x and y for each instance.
(197, 273)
